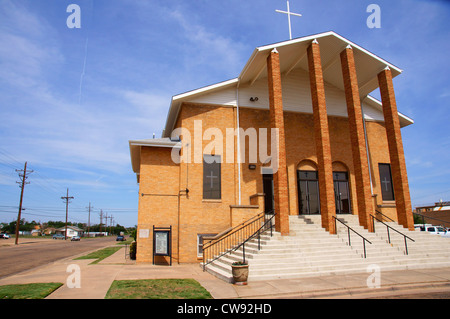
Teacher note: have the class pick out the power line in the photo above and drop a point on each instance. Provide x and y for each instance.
(7, 155)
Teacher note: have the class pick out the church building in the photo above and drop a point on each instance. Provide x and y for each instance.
(296, 133)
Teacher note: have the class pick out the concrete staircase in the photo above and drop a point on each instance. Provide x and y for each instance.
(311, 251)
(426, 251)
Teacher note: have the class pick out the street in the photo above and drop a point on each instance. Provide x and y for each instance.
(33, 253)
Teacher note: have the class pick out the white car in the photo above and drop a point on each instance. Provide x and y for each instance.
(5, 236)
(434, 230)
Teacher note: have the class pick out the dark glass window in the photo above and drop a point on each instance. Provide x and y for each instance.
(308, 175)
(387, 189)
(211, 177)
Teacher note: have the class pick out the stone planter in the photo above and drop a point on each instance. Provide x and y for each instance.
(240, 273)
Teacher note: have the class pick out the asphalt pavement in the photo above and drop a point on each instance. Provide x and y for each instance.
(34, 252)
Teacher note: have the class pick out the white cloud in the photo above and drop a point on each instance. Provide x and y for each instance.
(207, 48)
(28, 48)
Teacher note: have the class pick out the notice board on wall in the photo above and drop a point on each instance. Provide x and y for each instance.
(162, 242)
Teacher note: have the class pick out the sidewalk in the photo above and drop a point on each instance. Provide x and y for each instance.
(96, 280)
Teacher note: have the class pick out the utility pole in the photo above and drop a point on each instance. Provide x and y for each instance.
(23, 176)
(67, 198)
(110, 223)
(106, 223)
(89, 218)
(101, 220)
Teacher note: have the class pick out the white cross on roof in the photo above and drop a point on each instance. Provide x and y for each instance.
(289, 13)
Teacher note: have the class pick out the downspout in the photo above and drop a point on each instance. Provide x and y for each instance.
(238, 141)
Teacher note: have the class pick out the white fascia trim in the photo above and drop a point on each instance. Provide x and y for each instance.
(289, 42)
(204, 89)
(354, 45)
(407, 118)
(249, 62)
(321, 35)
(168, 145)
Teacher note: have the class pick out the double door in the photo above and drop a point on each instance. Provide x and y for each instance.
(308, 192)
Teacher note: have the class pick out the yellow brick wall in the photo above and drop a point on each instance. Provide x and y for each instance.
(379, 153)
(157, 207)
(197, 216)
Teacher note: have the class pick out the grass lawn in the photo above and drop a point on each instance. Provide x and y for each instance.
(28, 291)
(100, 254)
(157, 289)
(128, 241)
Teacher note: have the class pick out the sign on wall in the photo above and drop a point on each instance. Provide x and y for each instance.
(162, 242)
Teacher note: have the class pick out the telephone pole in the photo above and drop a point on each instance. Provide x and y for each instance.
(67, 198)
(89, 218)
(23, 176)
(110, 223)
(106, 223)
(101, 220)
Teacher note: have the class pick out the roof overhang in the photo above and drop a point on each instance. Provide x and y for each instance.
(136, 146)
(178, 99)
(293, 54)
(404, 120)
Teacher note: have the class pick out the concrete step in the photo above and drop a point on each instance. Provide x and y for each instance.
(311, 251)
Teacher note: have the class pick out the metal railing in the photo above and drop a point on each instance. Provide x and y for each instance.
(268, 224)
(388, 234)
(383, 215)
(219, 247)
(349, 239)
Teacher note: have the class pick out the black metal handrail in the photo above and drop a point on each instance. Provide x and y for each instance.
(262, 229)
(389, 236)
(217, 248)
(378, 212)
(348, 230)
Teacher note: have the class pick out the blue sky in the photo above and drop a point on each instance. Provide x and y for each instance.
(70, 99)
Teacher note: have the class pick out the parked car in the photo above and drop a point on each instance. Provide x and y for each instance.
(58, 236)
(75, 238)
(120, 238)
(5, 236)
(436, 230)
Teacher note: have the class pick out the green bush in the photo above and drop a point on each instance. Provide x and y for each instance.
(133, 247)
(134, 234)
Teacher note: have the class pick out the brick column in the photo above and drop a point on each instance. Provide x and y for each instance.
(277, 121)
(322, 138)
(397, 156)
(359, 151)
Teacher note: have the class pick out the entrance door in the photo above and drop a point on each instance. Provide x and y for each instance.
(269, 200)
(341, 192)
(308, 192)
